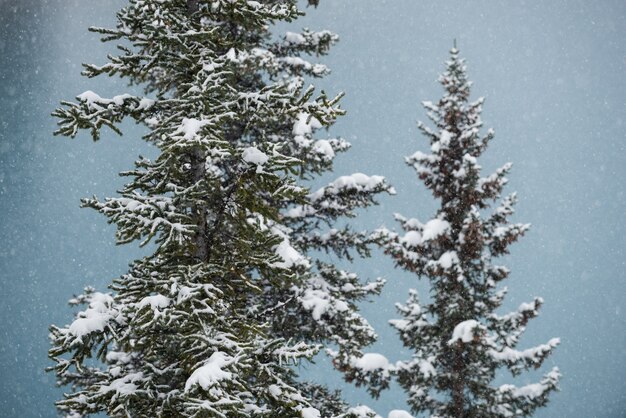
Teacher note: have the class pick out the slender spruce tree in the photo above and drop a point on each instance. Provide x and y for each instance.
(211, 322)
(457, 339)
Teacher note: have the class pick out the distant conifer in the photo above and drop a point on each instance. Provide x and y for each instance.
(457, 340)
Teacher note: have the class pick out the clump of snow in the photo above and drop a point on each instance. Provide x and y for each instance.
(90, 98)
(417, 156)
(189, 128)
(500, 231)
(303, 126)
(145, 103)
(371, 362)
(469, 158)
(294, 38)
(231, 55)
(445, 137)
(411, 223)
(275, 390)
(289, 255)
(324, 147)
(356, 181)
(319, 302)
(443, 142)
(119, 99)
(254, 4)
(427, 368)
(448, 258)
(255, 156)
(151, 122)
(118, 357)
(94, 318)
(93, 100)
(310, 413)
(316, 301)
(211, 373)
(124, 385)
(399, 324)
(362, 411)
(434, 228)
(509, 354)
(412, 238)
(155, 302)
(525, 306)
(533, 390)
(399, 413)
(464, 331)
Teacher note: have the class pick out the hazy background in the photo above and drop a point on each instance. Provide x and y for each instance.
(553, 74)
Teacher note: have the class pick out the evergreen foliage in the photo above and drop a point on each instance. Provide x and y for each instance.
(210, 323)
(458, 342)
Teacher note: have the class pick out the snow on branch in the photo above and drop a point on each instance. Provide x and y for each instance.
(92, 112)
(517, 361)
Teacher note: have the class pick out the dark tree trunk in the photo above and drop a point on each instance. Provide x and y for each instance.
(201, 250)
(458, 384)
(192, 6)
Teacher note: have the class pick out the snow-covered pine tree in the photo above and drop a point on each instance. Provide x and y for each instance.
(457, 339)
(209, 324)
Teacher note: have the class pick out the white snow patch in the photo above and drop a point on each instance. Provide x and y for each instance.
(412, 238)
(434, 228)
(124, 385)
(324, 147)
(254, 156)
(525, 306)
(155, 302)
(254, 4)
(302, 127)
(427, 368)
(145, 103)
(316, 301)
(371, 361)
(151, 122)
(289, 255)
(319, 302)
(470, 159)
(356, 181)
(189, 128)
(89, 97)
(399, 413)
(509, 354)
(464, 331)
(94, 318)
(119, 99)
(448, 258)
(275, 390)
(211, 373)
(500, 231)
(310, 413)
(445, 137)
(362, 411)
(399, 324)
(294, 38)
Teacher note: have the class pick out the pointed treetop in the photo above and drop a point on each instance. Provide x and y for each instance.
(454, 78)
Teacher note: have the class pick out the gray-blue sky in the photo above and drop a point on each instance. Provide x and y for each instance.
(552, 73)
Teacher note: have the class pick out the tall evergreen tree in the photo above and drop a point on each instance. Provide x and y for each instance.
(457, 339)
(210, 323)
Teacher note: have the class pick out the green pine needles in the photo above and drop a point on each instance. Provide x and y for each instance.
(209, 325)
